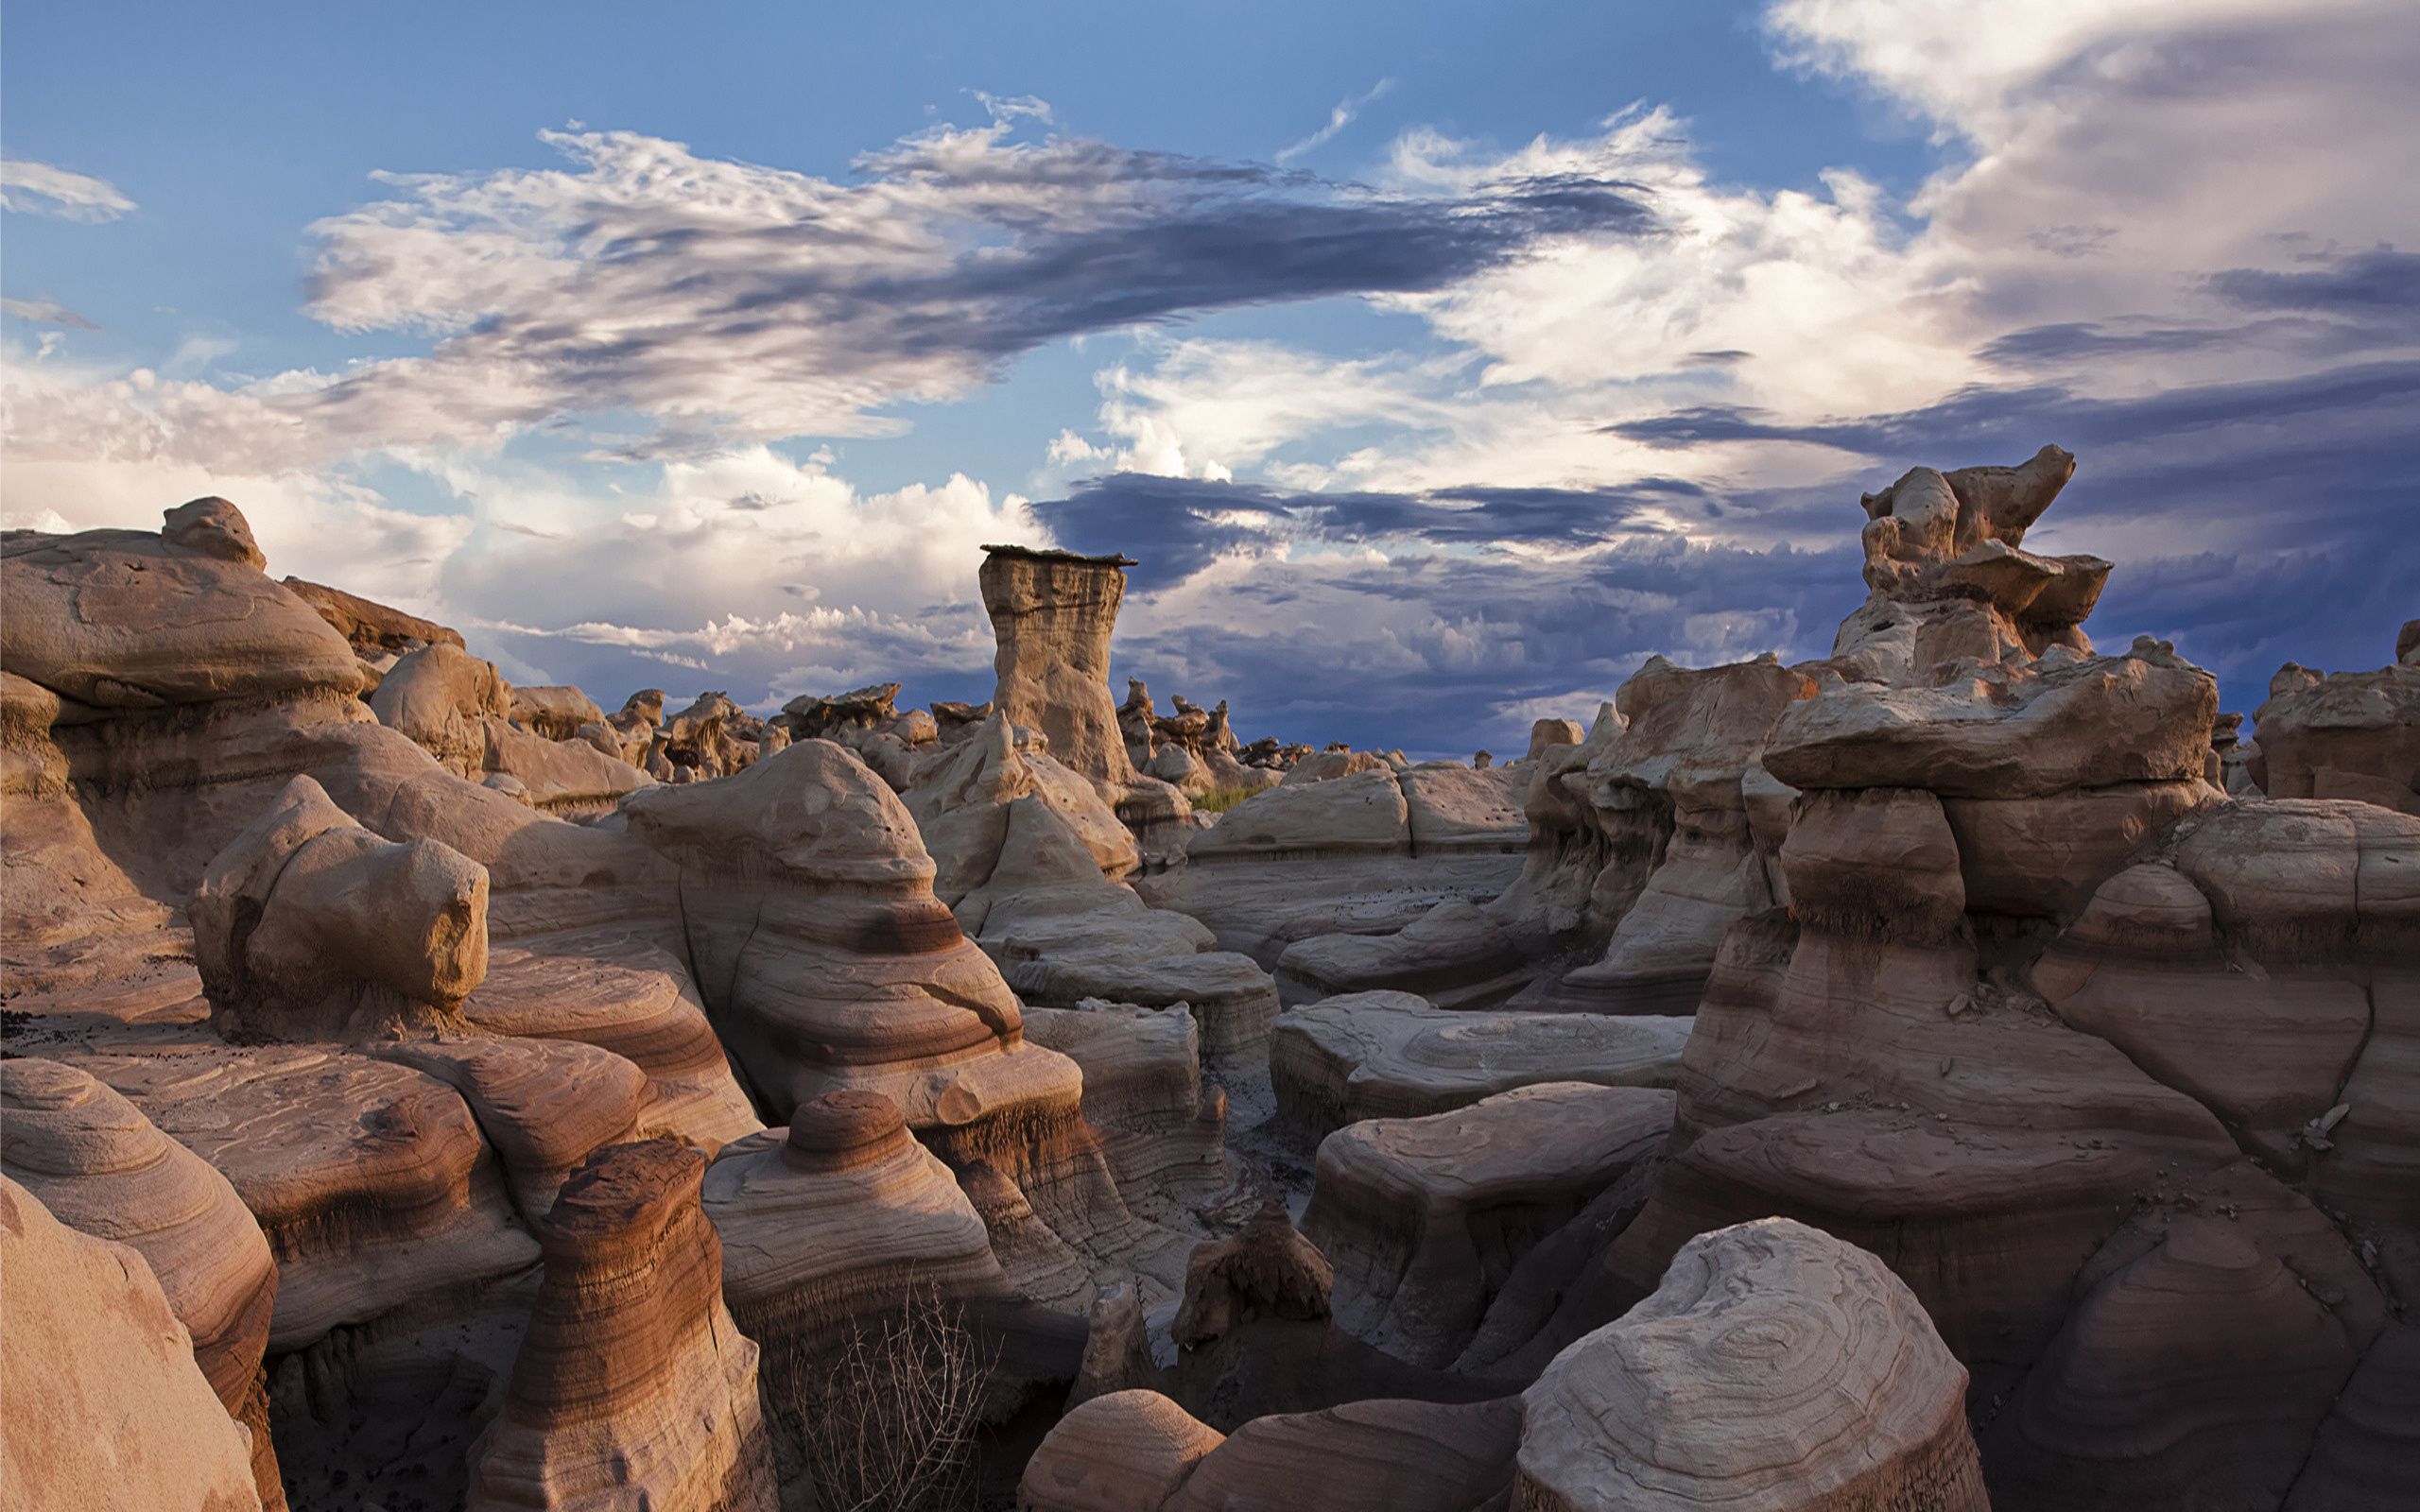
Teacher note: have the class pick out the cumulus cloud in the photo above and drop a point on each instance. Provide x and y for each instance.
(41, 189)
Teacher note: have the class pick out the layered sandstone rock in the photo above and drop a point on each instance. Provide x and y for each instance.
(837, 1221)
(1164, 1139)
(830, 966)
(307, 926)
(1053, 612)
(2351, 735)
(1381, 1455)
(633, 1386)
(528, 741)
(544, 1105)
(1424, 1219)
(105, 1405)
(98, 1166)
(1032, 862)
(371, 1181)
(1358, 852)
(1116, 1453)
(1773, 1366)
(1647, 840)
(1390, 1054)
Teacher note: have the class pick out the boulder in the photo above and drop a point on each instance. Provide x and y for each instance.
(308, 926)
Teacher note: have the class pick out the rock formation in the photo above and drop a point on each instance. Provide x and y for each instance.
(99, 1166)
(1424, 1219)
(307, 926)
(633, 1388)
(419, 1045)
(2353, 735)
(1773, 1366)
(1390, 1054)
(104, 1402)
(1052, 612)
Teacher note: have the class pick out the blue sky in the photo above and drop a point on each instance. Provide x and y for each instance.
(1441, 361)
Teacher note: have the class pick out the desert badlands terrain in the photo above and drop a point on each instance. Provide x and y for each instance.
(1966, 1070)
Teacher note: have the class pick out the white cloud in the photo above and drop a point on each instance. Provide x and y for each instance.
(1339, 118)
(40, 189)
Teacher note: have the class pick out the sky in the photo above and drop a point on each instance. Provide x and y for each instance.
(1441, 363)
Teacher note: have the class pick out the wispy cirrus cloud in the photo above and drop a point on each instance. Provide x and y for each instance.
(42, 189)
(1346, 112)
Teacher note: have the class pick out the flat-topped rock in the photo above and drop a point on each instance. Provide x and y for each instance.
(1424, 1219)
(1390, 1054)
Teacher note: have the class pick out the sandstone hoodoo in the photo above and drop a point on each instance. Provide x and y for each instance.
(1853, 1082)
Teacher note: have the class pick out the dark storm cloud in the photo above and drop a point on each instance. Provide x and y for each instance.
(747, 302)
(2381, 280)
(1178, 525)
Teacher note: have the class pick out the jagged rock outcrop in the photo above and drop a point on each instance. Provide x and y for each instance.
(105, 1404)
(307, 926)
(2350, 735)
(1390, 1054)
(633, 1386)
(1647, 840)
(526, 742)
(1424, 1219)
(99, 1166)
(1773, 1366)
(1194, 748)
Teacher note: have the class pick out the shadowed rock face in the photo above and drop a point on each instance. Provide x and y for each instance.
(1426, 1219)
(1774, 1366)
(104, 1403)
(632, 1382)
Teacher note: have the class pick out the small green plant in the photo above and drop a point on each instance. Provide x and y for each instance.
(1220, 800)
